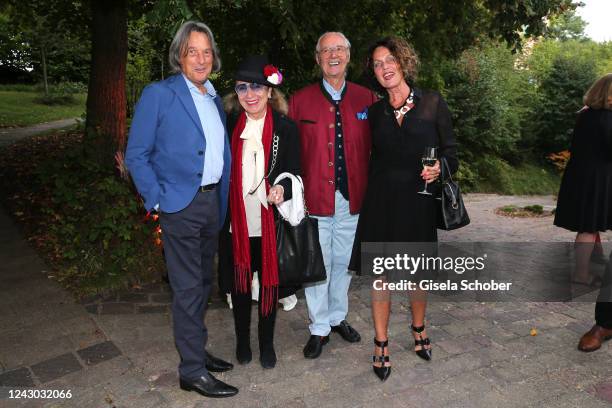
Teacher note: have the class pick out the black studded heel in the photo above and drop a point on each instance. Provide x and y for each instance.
(424, 353)
(383, 372)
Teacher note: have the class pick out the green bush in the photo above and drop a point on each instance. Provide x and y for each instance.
(88, 221)
(494, 175)
(560, 97)
(60, 94)
(481, 91)
(53, 99)
(534, 208)
(95, 213)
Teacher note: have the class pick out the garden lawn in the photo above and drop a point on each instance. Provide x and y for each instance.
(17, 108)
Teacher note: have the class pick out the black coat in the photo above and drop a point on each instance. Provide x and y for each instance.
(287, 160)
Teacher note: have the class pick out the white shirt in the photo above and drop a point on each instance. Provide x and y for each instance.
(253, 172)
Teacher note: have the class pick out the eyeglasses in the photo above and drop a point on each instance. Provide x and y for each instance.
(389, 60)
(339, 49)
(241, 89)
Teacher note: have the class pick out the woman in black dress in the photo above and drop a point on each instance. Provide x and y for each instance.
(403, 124)
(585, 198)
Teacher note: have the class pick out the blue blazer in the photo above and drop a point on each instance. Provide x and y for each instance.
(166, 145)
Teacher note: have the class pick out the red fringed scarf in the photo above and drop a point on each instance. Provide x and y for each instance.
(243, 275)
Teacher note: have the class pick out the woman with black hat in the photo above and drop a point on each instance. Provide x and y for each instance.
(265, 143)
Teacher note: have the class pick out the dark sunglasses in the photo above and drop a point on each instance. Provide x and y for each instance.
(241, 89)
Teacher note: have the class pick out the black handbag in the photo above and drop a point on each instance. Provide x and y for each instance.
(452, 213)
(300, 259)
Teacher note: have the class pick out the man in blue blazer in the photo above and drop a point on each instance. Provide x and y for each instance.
(179, 157)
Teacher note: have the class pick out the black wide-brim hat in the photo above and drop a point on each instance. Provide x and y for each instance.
(251, 69)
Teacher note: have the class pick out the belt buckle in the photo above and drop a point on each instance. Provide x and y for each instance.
(207, 187)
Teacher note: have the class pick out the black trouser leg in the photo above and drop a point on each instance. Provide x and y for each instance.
(242, 316)
(190, 242)
(265, 327)
(603, 308)
(242, 321)
(603, 314)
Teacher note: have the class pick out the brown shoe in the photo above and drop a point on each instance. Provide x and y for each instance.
(592, 339)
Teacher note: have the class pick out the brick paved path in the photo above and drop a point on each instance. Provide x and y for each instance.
(118, 351)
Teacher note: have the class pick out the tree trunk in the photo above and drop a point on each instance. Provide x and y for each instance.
(106, 99)
(44, 67)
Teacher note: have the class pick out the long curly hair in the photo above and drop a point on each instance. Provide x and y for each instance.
(403, 52)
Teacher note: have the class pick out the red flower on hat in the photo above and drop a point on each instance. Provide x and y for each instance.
(273, 75)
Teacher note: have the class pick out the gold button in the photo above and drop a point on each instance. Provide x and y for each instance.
(331, 181)
(330, 164)
(330, 144)
(331, 125)
(331, 109)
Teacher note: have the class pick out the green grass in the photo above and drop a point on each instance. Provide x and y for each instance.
(526, 179)
(19, 109)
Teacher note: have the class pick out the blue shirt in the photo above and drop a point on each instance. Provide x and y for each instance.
(335, 95)
(213, 131)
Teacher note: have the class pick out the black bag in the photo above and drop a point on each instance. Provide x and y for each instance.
(300, 259)
(298, 250)
(452, 213)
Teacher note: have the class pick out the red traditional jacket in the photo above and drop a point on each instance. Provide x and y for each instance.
(315, 115)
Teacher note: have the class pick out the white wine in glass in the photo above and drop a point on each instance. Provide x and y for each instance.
(429, 159)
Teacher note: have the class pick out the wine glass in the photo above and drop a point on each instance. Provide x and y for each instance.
(430, 156)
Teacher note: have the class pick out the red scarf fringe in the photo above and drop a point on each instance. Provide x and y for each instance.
(243, 275)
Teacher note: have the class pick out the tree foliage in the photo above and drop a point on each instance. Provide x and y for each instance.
(48, 37)
(288, 30)
(566, 26)
(560, 99)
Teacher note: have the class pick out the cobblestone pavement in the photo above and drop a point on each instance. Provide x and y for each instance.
(118, 351)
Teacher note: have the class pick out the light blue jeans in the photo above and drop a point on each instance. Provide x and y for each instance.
(328, 300)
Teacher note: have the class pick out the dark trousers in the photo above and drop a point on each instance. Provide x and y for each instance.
(190, 239)
(603, 314)
(603, 308)
(242, 306)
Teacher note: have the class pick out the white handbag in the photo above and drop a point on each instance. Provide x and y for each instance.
(292, 210)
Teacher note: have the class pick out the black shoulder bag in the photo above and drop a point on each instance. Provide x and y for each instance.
(300, 259)
(452, 214)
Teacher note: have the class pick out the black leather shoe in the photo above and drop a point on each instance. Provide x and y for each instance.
(208, 386)
(315, 345)
(216, 365)
(347, 332)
